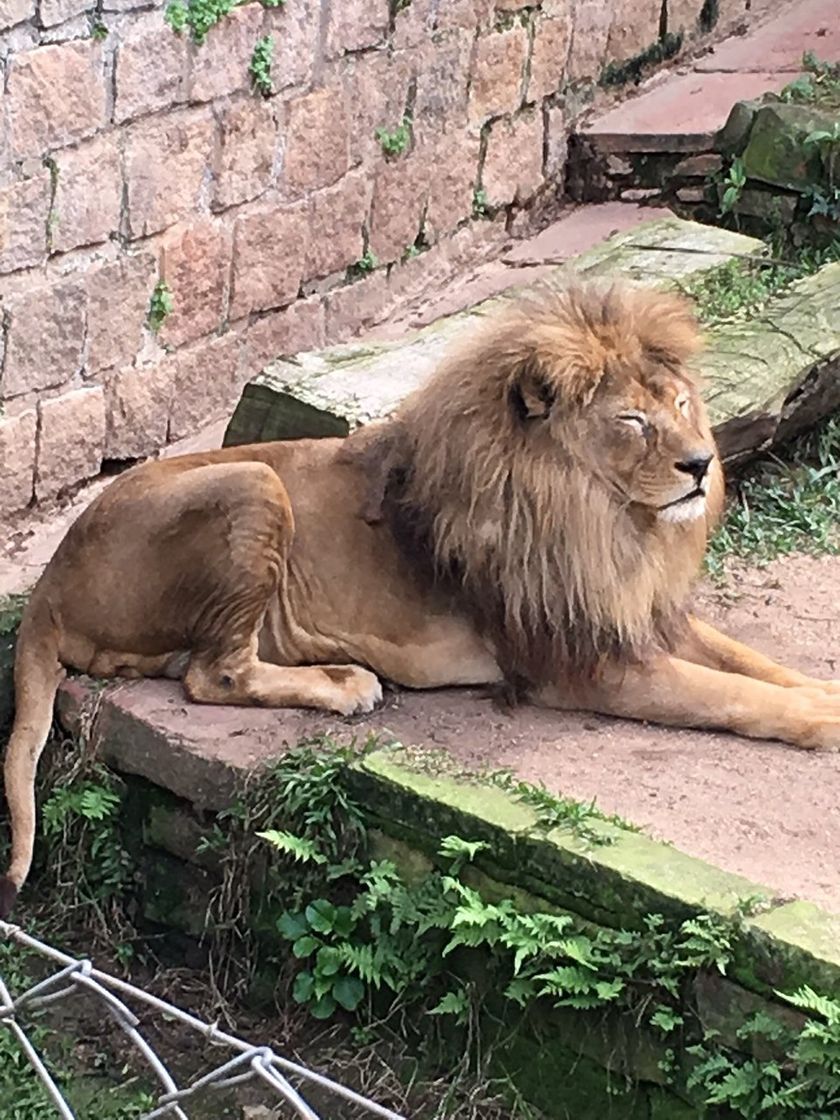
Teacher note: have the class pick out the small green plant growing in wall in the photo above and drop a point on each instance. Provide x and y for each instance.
(366, 263)
(260, 67)
(736, 179)
(160, 305)
(825, 196)
(480, 208)
(395, 143)
(197, 15)
(98, 30)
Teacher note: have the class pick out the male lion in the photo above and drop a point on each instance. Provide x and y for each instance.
(534, 515)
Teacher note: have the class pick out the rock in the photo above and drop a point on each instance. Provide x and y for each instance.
(732, 138)
(17, 461)
(777, 153)
(71, 440)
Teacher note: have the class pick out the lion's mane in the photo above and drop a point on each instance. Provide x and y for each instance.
(557, 571)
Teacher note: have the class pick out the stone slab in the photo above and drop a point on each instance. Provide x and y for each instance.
(580, 230)
(682, 114)
(808, 25)
(359, 383)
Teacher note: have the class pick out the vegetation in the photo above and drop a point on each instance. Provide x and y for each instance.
(364, 265)
(260, 67)
(394, 143)
(819, 83)
(160, 305)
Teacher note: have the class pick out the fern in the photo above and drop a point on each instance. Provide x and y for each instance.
(300, 849)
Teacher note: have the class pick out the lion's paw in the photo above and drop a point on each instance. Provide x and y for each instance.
(355, 691)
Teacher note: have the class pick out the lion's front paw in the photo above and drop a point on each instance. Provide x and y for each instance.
(355, 690)
(818, 718)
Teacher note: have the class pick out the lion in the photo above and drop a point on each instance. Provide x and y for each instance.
(533, 517)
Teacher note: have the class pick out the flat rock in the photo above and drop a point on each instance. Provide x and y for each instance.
(329, 392)
(807, 25)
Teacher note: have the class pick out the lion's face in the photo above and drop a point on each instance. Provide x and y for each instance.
(649, 439)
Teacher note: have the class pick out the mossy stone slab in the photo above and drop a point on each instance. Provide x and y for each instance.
(776, 152)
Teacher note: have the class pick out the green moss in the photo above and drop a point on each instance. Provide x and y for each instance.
(633, 69)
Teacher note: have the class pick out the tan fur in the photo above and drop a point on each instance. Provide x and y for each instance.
(535, 514)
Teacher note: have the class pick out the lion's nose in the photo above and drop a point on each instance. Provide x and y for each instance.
(696, 465)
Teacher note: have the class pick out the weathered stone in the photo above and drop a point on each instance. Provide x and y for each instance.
(357, 305)
(634, 27)
(71, 440)
(298, 327)
(118, 296)
(206, 384)
(800, 944)
(151, 67)
(589, 39)
(556, 143)
(24, 208)
(220, 64)
(443, 78)
(55, 95)
(51, 12)
(455, 159)
(466, 14)
(45, 338)
(269, 257)
(691, 194)
(195, 263)
(247, 151)
(15, 11)
(640, 194)
(732, 138)
(17, 461)
(399, 199)
(512, 169)
(698, 166)
(166, 161)
(497, 74)
(355, 25)
(137, 404)
(338, 216)
(552, 38)
(414, 276)
(770, 206)
(777, 153)
(88, 194)
(317, 151)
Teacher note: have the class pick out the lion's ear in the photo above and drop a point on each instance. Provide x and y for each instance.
(530, 392)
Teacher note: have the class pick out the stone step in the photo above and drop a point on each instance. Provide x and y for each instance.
(766, 377)
(649, 143)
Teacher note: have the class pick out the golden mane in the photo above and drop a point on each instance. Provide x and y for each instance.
(557, 571)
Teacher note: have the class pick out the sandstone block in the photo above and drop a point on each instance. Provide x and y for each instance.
(17, 460)
(269, 256)
(498, 70)
(443, 77)
(15, 11)
(357, 305)
(337, 219)
(635, 26)
(88, 194)
(71, 440)
(296, 328)
(355, 25)
(118, 296)
(376, 86)
(399, 199)
(451, 187)
(467, 14)
(512, 169)
(52, 12)
(683, 15)
(137, 405)
(247, 150)
(151, 67)
(194, 263)
(55, 95)
(552, 38)
(206, 384)
(295, 28)
(588, 51)
(220, 64)
(556, 143)
(24, 209)
(166, 160)
(45, 338)
(316, 140)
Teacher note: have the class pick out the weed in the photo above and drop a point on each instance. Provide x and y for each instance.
(363, 266)
(736, 179)
(819, 83)
(634, 69)
(480, 208)
(98, 30)
(160, 306)
(260, 67)
(197, 15)
(394, 143)
(564, 813)
(825, 195)
(788, 501)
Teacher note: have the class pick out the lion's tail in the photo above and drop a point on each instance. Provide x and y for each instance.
(38, 673)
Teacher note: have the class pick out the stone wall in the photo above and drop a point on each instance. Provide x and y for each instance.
(131, 155)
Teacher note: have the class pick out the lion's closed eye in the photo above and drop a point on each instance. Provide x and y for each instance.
(636, 420)
(683, 404)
